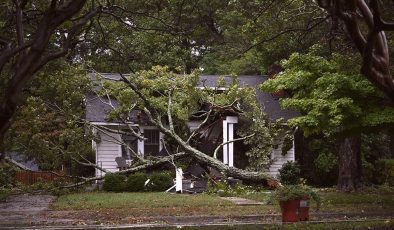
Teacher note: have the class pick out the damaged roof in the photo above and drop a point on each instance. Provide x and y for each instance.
(97, 108)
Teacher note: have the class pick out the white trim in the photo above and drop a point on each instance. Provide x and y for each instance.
(232, 119)
(141, 149)
(161, 137)
(228, 135)
(230, 145)
(225, 139)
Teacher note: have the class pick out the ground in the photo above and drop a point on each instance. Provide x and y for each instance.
(365, 209)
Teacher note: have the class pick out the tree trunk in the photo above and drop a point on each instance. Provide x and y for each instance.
(391, 143)
(2, 148)
(349, 163)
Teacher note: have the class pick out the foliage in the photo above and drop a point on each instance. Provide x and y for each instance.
(136, 182)
(321, 162)
(326, 162)
(224, 189)
(260, 145)
(114, 182)
(160, 86)
(7, 175)
(287, 143)
(47, 126)
(290, 173)
(292, 192)
(256, 34)
(329, 94)
(4, 193)
(159, 181)
(170, 33)
(381, 171)
(54, 188)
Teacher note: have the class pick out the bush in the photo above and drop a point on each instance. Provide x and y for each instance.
(114, 182)
(4, 193)
(292, 192)
(383, 171)
(326, 166)
(136, 182)
(160, 181)
(290, 173)
(7, 175)
(223, 189)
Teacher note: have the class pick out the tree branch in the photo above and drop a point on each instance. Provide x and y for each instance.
(228, 142)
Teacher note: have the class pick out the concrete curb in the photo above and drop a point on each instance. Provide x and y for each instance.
(159, 226)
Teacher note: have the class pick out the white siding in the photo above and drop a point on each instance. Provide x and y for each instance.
(107, 150)
(279, 160)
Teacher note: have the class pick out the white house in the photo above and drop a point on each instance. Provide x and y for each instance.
(109, 145)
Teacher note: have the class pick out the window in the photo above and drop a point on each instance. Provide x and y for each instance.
(130, 144)
(152, 142)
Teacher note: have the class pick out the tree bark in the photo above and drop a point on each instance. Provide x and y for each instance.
(391, 143)
(2, 148)
(349, 163)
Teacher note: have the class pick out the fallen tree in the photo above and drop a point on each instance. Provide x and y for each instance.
(168, 100)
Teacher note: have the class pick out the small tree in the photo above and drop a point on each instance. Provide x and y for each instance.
(331, 97)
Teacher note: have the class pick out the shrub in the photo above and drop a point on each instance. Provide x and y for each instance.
(160, 181)
(114, 182)
(136, 182)
(384, 171)
(223, 189)
(292, 192)
(290, 173)
(7, 175)
(326, 166)
(4, 193)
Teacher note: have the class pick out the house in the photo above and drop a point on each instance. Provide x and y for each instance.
(109, 145)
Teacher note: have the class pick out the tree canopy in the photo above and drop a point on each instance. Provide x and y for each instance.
(330, 95)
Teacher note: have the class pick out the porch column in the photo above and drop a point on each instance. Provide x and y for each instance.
(141, 145)
(228, 135)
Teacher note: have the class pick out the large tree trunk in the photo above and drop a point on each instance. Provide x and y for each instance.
(391, 143)
(349, 163)
(2, 148)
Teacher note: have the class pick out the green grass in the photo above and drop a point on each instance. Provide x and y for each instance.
(357, 198)
(101, 200)
(125, 205)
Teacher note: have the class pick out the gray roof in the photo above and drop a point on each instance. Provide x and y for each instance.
(269, 103)
(22, 161)
(96, 108)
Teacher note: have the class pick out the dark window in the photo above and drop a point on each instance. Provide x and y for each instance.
(152, 142)
(130, 144)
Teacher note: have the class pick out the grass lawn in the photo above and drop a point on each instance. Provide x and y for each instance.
(104, 200)
(156, 204)
(103, 207)
(333, 201)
